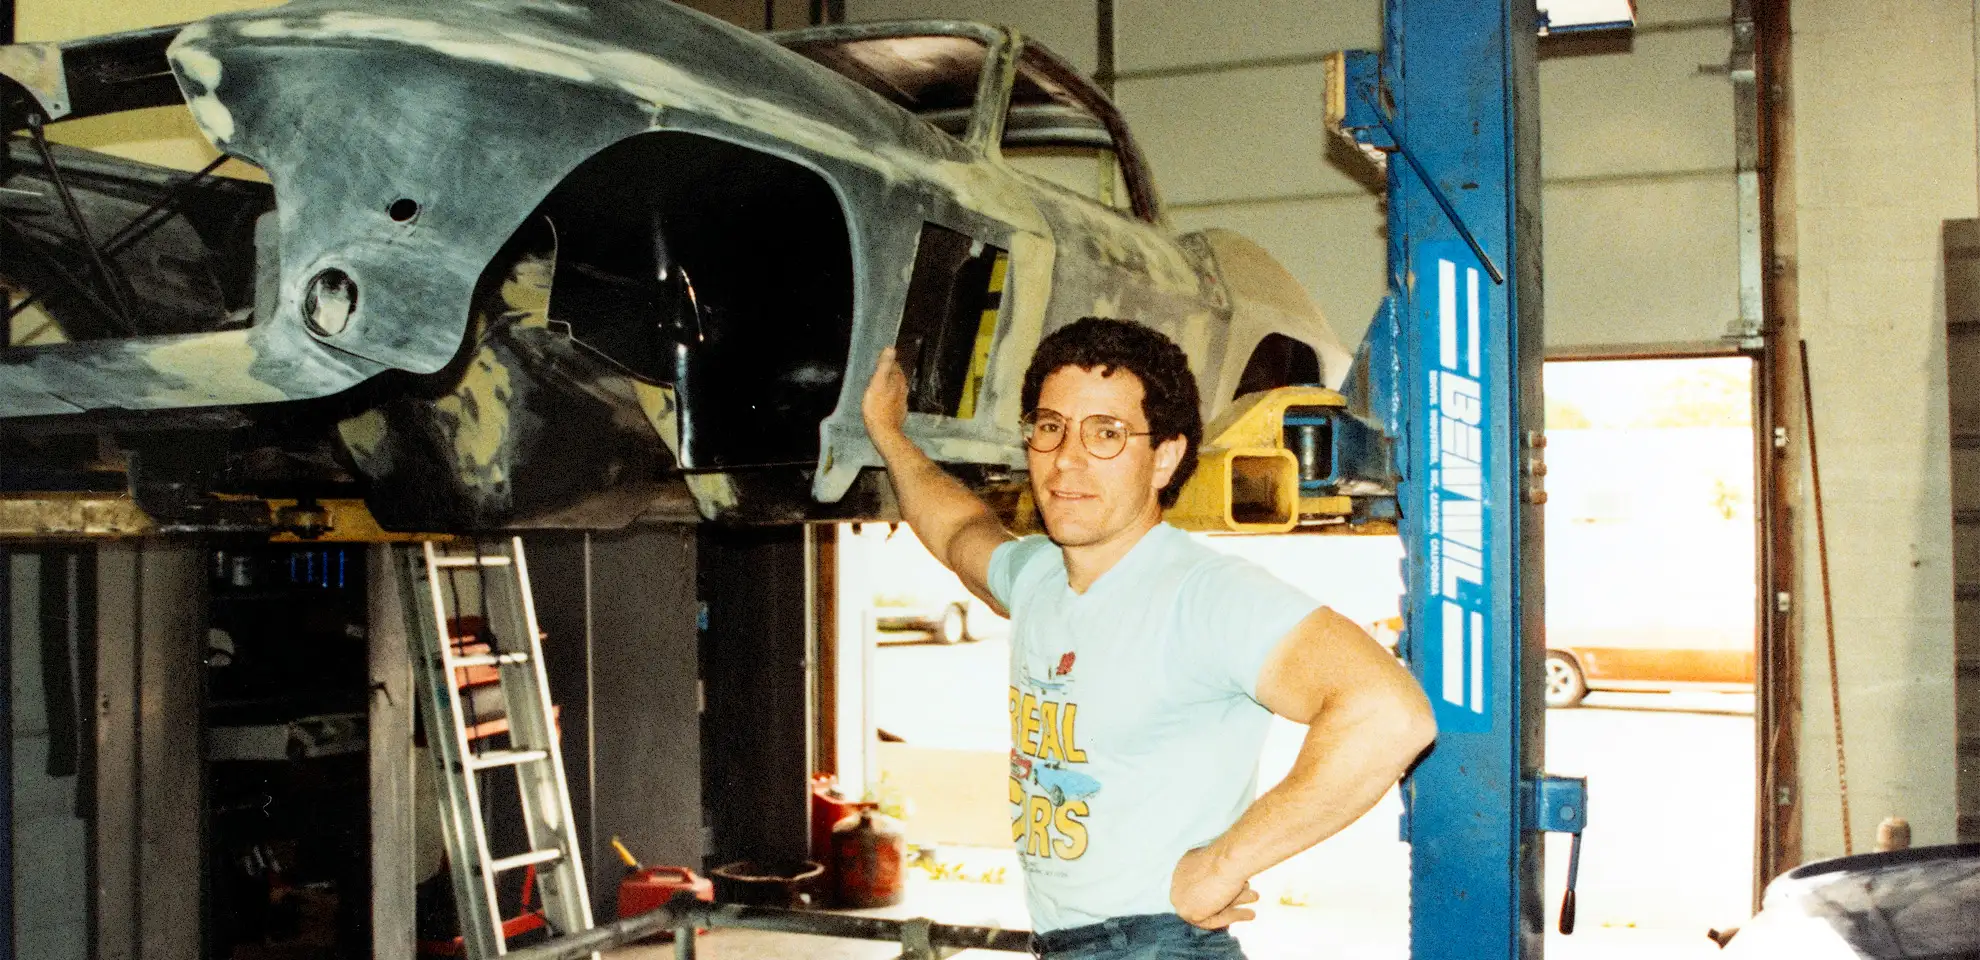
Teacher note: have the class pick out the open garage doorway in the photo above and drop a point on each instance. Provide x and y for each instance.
(1651, 579)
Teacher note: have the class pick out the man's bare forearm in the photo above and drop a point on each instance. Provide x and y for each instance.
(935, 505)
(1352, 754)
(959, 529)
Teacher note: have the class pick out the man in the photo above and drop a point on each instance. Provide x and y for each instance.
(1145, 666)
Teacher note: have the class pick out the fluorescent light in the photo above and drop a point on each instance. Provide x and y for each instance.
(1562, 16)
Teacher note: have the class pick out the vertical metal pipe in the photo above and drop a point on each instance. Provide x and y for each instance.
(1104, 48)
(823, 568)
(684, 942)
(592, 851)
(811, 686)
(1828, 598)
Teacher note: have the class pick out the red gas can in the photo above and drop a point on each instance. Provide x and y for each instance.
(828, 807)
(643, 890)
(654, 886)
(868, 849)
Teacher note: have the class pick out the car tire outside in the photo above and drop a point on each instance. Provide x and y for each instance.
(954, 625)
(1565, 685)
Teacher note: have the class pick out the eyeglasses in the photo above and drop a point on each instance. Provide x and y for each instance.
(1102, 436)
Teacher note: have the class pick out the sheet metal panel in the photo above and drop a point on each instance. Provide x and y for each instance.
(644, 708)
(619, 609)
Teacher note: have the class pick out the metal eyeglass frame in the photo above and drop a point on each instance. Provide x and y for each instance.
(1028, 428)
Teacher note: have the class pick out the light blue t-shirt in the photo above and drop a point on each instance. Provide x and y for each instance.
(1135, 728)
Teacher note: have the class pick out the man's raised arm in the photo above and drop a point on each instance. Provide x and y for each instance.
(956, 526)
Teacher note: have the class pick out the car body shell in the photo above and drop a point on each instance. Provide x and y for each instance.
(1922, 902)
(470, 116)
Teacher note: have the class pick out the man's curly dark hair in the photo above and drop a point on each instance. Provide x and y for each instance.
(1168, 399)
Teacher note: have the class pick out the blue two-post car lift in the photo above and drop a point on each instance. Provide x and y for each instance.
(1450, 369)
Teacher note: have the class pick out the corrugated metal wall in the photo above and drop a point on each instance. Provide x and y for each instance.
(1226, 101)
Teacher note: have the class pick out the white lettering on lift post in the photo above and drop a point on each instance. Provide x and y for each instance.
(1458, 515)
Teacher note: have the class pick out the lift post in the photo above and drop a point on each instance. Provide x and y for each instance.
(1451, 368)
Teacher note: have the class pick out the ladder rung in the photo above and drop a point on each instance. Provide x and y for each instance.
(487, 659)
(505, 758)
(522, 860)
(489, 560)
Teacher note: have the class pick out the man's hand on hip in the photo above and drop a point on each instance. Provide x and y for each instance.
(1204, 896)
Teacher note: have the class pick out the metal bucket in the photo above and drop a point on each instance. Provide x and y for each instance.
(760, 883)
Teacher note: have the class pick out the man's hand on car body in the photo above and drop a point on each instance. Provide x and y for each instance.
(884, 406)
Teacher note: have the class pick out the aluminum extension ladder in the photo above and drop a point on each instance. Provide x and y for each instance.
(469, 612)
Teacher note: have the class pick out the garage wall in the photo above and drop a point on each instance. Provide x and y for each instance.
(1226, 101)
(1869, 208)
(1641, 248)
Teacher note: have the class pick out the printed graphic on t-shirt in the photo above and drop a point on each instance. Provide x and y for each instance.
(1049, 792)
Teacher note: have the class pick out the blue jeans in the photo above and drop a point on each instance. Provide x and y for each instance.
(1153, 936)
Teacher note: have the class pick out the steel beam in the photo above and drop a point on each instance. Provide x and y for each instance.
(390, 756)
(62, 517)
(919, 938)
